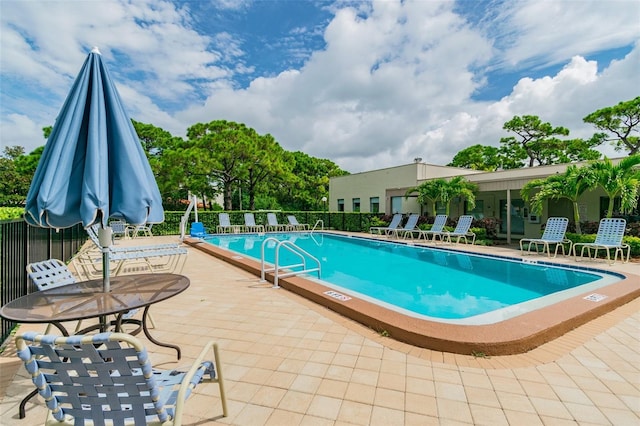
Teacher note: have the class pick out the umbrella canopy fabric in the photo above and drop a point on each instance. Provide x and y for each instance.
(93, 166)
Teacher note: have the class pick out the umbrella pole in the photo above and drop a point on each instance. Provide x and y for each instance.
(104, 236)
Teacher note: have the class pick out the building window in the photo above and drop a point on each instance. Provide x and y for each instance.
(441, 208)
(396, 205)
(340, 205)
(517, 216)
(356, 204)
(374, 204)
(477, 212)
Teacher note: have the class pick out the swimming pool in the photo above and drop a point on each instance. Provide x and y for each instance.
(436, 284)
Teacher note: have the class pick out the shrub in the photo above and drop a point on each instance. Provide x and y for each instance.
(634, 242)
(9, 213)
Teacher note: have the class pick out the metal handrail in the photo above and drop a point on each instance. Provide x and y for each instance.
(318, 222)
(292, 248)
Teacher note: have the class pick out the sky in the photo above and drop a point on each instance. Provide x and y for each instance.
(366, 84)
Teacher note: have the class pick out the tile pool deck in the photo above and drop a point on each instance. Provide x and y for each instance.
(289, 361)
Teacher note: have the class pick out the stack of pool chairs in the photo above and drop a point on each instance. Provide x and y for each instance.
(156, 258)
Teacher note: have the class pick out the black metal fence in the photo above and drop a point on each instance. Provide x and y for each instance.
(21, 244)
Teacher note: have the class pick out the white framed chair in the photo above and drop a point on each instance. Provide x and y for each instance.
(53, 273)
(107, 378)
(437, 228)
(394, 224)
(273, 225)
(295, 225)
(250, 223)
(609, 237)
(554, 234)
(460, 232)
(224, 224)
(409, 227)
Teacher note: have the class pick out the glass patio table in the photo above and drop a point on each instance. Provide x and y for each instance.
(86, 299)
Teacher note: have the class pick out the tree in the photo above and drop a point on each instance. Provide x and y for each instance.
(308, 182)
(442, 190)
(623, 121)
(537, 142)
(217, 150)
(165, 153)
(14, 184)
(620, 180)
(570, 185)
(483, 157)
(263, 162)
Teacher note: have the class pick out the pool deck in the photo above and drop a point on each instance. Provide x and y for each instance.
(290, 361)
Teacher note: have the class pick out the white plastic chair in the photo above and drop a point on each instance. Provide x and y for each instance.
(395, 222)
(461, 231)
(273, 225)
(436, 229)
(250, 223)
(554, 233)
(295, 225)
(609, 237)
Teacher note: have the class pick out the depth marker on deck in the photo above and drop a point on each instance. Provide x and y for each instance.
(337, 295)
(595, 297)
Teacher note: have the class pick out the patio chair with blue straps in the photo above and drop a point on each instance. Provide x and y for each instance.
(395, 222)
(609, 237)
(436, 229)
(554, 233)
(460, 232)
(250, 223)
(409, 228)
(224, 224)
(273, 225)
(107, 378)
(295, 225)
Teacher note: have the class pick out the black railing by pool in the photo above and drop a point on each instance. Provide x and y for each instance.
(21, 244)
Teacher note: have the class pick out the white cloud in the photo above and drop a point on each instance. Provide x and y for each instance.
(394, 82)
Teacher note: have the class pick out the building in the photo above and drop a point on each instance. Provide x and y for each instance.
(384, 191)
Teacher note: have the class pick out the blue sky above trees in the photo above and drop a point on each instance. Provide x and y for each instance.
(365, 84)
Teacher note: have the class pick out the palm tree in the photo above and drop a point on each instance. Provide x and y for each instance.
(570, 185)
(621, 180)
(444, 191)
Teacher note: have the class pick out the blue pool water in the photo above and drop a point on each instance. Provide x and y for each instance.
(428, 282)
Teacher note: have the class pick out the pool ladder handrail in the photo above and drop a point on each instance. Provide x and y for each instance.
(318, 222)
(292, 248)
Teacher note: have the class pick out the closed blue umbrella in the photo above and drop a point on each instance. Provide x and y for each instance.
(93, 166)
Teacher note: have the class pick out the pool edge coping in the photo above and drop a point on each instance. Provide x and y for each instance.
(509, 337)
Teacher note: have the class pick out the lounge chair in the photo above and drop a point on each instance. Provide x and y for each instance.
(108, 378)
(167, 257)
(119, 228)
(409, 227)
(554, 233)
(295, 225)
(250, 223)
(53, 273)
(135, 231)
(436, 229)
(461, 231)
(197, 230)
(224, 224)
(273, 225)
(609, 237)
(395, 222)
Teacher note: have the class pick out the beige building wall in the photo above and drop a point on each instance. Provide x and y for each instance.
(495, 190)
(385, 184)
